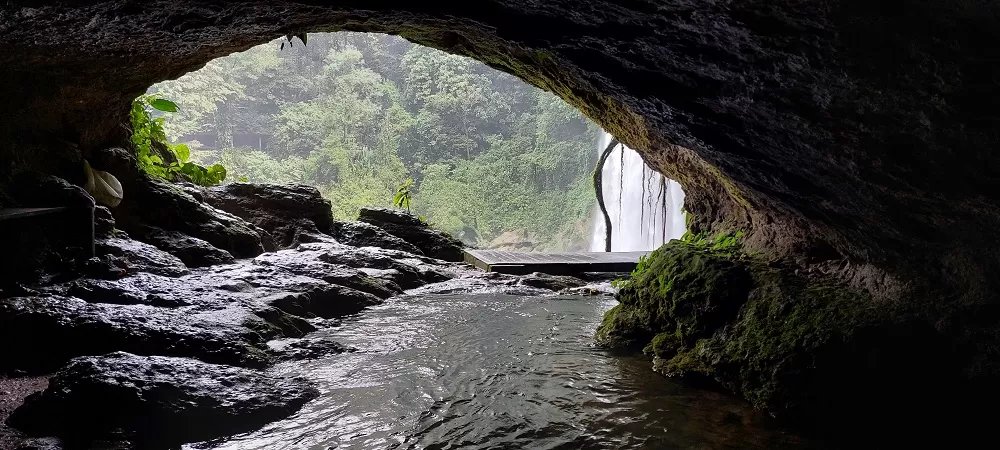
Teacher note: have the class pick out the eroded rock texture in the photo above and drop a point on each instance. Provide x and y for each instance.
(198, 339)
(802, 348)
(409, 228)
(286, 215)
(847, 134)
(165, 401)
(855, 140)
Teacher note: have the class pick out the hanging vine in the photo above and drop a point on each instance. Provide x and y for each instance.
(599, 190)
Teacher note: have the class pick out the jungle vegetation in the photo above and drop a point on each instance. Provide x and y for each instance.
(357, 114)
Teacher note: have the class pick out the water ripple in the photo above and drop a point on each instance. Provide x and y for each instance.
(490, 371)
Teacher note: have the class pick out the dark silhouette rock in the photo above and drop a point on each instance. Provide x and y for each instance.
(192, 251)
(309, 264)
(104, 222)
(159, 402)
(167, 206)
(289, 214)
(411, 229)
(48, 230)
(50, 330)
(309, 348)
(122, 256)
(361, 234)
(34, 190)
(551, 282)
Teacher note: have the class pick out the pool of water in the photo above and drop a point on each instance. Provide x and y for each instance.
(499, 372)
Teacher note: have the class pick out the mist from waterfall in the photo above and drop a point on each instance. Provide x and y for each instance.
(646, 208)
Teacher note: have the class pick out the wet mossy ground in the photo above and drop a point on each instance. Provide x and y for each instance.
(801, 348)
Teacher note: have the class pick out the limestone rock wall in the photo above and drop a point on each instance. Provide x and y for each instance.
(852, 137)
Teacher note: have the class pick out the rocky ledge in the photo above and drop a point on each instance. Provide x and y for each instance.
(175, 335)
(794, 344)
(158, 401)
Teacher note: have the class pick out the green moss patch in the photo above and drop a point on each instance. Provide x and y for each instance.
(788, 344)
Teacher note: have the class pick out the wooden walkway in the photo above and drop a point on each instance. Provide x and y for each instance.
(517, 263)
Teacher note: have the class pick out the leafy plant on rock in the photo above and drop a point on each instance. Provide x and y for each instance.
(403, 196)
(151, 144)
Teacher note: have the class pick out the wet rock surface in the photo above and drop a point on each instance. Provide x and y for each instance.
(551, 282)
(307, 348)
(802, 348)
(180, 325)
(361, 234)
(475, 282)
(122, 256)
(841, 135)
(409, 228)
(177, 210)
(286, 214)
(159, 402)
(50, 330)
(192, 251)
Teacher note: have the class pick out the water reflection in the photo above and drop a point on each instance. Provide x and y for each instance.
(493, 371)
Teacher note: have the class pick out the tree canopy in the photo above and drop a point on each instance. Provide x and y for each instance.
(358, 114)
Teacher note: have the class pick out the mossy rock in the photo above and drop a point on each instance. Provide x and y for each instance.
(797, 347)
(680, 288)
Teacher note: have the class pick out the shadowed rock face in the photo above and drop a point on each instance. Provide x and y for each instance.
(166, 401)
(848, 135)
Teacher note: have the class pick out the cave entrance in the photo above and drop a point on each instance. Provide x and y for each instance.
(370, 118)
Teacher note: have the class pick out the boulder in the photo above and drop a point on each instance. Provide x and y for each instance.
(308, 348)
(157, 401)
(361, 234)
(104, 222)
(39, 243)
(328, 302)
(406, 226)
(308, 263)
(192, 251)
(157, 203)
(32, 190)
(46, 331)
(403, 269)
(802, 348)
(119, 256)
(289, 214)
(475, 282)
(551, 282)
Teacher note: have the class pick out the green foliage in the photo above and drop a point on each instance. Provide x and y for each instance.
(162, 104)
(353, 114)
(145, 132)
(402, 197)
(148, 133)
(729, 243)
(708, 310)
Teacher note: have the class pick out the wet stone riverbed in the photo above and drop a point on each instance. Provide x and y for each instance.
(497, 371)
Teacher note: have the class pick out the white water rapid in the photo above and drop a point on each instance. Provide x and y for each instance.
(645, 208)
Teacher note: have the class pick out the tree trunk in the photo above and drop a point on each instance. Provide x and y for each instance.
(599, 190)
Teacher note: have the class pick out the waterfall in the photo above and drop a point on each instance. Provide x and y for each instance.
(645, 207)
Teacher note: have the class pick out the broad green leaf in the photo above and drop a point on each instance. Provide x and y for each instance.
(163, 104)
(217, 173)
(182, 151)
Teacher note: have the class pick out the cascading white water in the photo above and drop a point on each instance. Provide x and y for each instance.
(646, 208)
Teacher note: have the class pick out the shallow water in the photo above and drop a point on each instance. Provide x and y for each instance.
(495, 371)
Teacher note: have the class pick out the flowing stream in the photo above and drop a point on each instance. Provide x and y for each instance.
(646, 208)
(499, 372)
